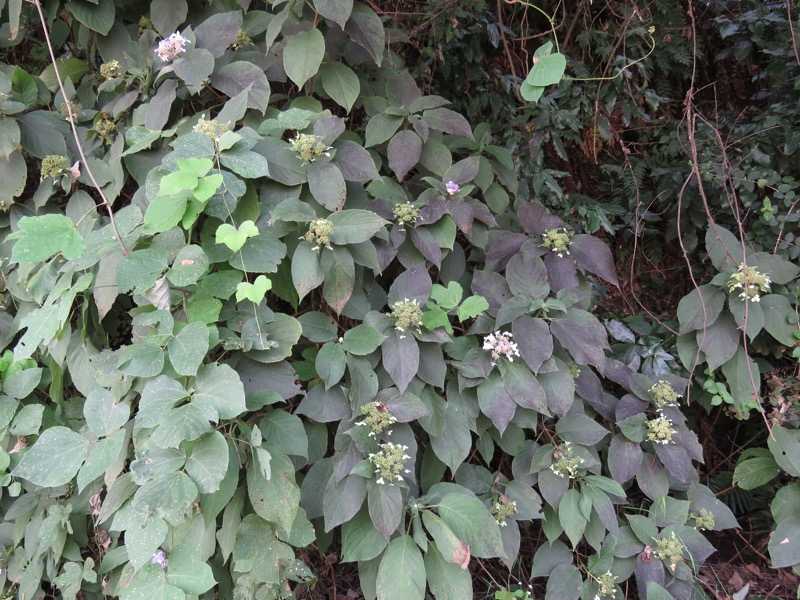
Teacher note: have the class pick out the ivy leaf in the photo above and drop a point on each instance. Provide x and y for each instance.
(255, 291)
(302, 55)
(233, 237)
(401, 575)
(362, 340)
(177, 182)
(447, 297)
(41, 237)
(472, 307)
(54, 459)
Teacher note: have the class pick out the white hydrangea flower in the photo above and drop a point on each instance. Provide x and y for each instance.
(172, 47)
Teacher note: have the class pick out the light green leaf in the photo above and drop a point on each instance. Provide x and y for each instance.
(165, 212)
(547, 70)
(472, 307)
(401, 575)
(255, 291)
(177, 182)
(207, 187)
(234, 238)
(447, 297)
(302, 55)
(41, 237)
(208, 463)
(54, 459)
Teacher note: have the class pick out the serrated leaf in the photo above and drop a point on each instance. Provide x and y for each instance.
(472, 307)
(41, 237)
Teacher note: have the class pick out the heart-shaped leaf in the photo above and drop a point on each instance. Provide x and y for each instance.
(234, 238)
(255, 291)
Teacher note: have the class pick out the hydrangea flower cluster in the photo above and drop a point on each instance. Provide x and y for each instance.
(750, 281)
(499, 344)
(452, 188)
(704, 520)
(210, 128)
(670, 551)
(405, 213)
(110, 69)
(664, 395)
(557, 240)
(309, 147)
(659, 430)
(566, 463)
(502, 509)
(377, 417)
(319, 231)
(242, 39)
(389, 463)
(172, 47)
(105, 128)
(53, 165)
(407, 314)
(608, 586)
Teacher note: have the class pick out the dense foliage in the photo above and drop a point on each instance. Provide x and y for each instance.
(263, 296)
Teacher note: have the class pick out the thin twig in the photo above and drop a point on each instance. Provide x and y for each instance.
(509, 57)
(74, 128)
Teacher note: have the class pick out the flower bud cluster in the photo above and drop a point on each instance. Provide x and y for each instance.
(390, 463)
(53, 165)
(750, 281)
(500, 345)
(212, 128)
(502, 509)
(660, 431)
(405, 213)
(105, 128)
(607, 583)
(664, 395)
(110, 69)
(309, 147)
(557, 240)
(566, 464)
(377, 417)
(319, 231)
(704, 520)
(670, 551)
(407, 314)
